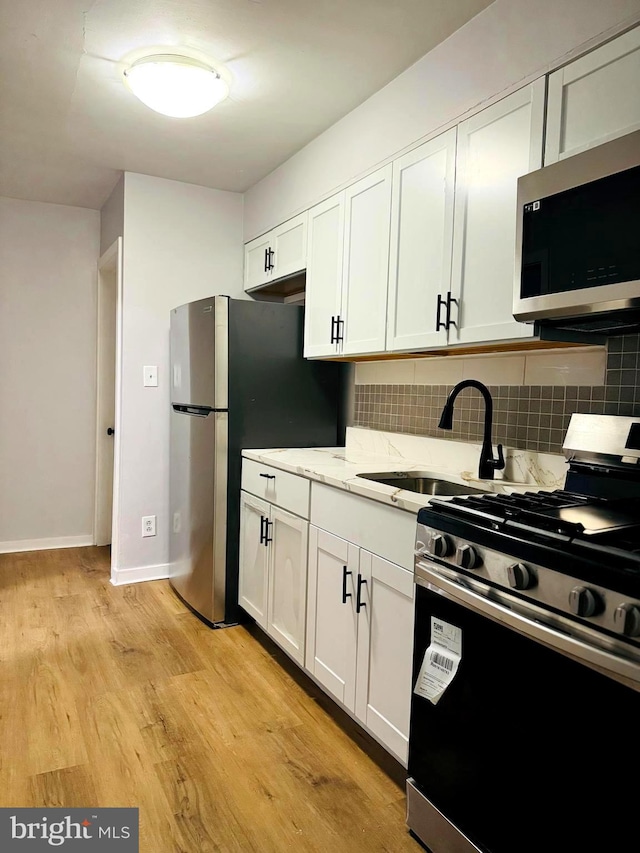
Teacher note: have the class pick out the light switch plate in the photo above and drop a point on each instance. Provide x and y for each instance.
(150, 373)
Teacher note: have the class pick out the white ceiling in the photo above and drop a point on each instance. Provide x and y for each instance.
(68, 125)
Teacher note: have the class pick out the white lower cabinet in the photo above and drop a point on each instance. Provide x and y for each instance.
(287, 597)
(385, 652)
(332, 624)
(273, 571)
(360, 635)
(253, 587)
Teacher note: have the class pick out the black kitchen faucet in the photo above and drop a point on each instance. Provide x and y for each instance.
(487, 464)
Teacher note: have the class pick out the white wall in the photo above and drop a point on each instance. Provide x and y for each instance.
(181, 243)
(508, 44)
(112, 217)
(48, 255)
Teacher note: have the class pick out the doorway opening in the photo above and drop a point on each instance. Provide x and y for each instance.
(108, 361)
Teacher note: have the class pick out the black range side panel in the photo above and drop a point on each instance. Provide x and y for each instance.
(276, 399)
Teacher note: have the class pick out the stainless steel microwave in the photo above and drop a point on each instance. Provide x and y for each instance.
(578, 240)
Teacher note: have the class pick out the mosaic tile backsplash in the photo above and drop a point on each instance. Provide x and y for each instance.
(527, 417)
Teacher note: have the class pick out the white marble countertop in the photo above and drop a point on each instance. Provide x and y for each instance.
(340, 466)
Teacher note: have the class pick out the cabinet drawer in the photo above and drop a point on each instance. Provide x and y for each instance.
(381, 529)
(278, 487)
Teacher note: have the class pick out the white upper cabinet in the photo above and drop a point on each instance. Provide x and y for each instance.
(421, 244)
(279, 254)
(594, 99)
(323, 290)
(363, 319)
(256, 263)
(289, 244)
(495, 147)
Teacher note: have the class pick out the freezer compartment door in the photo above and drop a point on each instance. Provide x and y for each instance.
(199, 353)
(198, 510)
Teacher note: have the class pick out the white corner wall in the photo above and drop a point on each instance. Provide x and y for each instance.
(181, 242)
(48, 275)
(504, 47)
(112, 217)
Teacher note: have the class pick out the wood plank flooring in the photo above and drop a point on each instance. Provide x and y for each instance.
(119, 696)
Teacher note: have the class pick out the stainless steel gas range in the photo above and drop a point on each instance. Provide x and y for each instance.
(527, 659)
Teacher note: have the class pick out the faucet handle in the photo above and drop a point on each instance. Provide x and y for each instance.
(498, 463)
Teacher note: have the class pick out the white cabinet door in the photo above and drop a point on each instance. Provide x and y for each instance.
(594, 99)
(495, 147)
(254, 576)
(288, 582)
(421, 243)
(256, 262)
(366, 263)
(331, 616)
(323, 289)
(385, 652)
(289, 245)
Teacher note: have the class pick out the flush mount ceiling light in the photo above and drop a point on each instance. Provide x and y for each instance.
(176, 86)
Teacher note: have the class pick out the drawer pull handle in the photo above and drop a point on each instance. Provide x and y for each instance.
(345, 575)
(359, 602)
(268, 476)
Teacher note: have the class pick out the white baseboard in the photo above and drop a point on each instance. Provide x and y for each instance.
(46, 544)
(119, 577)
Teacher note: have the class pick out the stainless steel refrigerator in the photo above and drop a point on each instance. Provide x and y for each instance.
(238, 380)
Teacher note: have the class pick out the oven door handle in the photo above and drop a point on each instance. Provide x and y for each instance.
(621, 669)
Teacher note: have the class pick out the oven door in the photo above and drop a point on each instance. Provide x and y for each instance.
(526, 751)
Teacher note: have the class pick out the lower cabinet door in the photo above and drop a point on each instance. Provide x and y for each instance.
(332, 627)
(254, 578)
(288, 581)
(385, 651)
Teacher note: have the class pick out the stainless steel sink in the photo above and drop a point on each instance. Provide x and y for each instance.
(414, 481)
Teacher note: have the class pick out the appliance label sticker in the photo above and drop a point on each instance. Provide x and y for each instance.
(441, 660)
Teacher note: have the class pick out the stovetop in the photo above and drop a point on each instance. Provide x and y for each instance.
(569, 515)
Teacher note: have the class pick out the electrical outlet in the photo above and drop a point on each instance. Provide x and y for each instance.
(148, 525)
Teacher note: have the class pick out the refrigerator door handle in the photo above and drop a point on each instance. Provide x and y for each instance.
(195, 411)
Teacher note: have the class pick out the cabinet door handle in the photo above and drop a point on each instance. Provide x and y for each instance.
(268, 476)
(450, 301)
(345, 575)
(262, 533)
(333, 330)
(267, 538)
(270, 264)
(266, 268)
(359, 602)
(439, 323)
(339, 329)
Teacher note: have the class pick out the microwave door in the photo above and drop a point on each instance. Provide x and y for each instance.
(577, 250)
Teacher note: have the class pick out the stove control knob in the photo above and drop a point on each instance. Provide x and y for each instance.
(467, 557)
(626, 619)
(440, 545)
(584, 601)
(519, 576)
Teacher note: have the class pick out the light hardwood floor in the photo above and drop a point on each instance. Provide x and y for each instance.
(119, 696)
